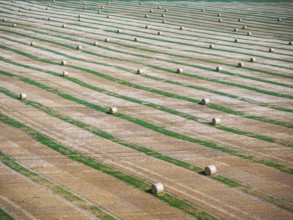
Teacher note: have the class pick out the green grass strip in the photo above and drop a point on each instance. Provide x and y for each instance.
(54, 187)
(153, 77)
(164, 93)
(195, 66)
(133, 181)
(216, 92)
(106, 135)
(4, 215)
(73, 155)
(155, 106)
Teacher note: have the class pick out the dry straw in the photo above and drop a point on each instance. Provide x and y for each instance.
(218, 68)
(205, 101)
(157, 188)
(22, 95)
(240, 64)
(216, 121)
(113, 110)
(210, 170)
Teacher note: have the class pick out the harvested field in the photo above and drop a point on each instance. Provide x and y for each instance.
(64, 156)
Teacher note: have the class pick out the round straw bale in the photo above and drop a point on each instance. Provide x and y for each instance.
(218, 68)
(216, 121)
(236, 40)
(212, 46)
(166, 10)
(147, 27)
(139, 71)
(79, 47)
(290, 43)
(252, 59)
(181, 28)
(219, 15)
(159, 7)
(22, 95)
(136, 39)
(164, 21)
(249, 34)
(162, 15)
(244, 27)
(220, 20)
(63, 63)
(79, 19)
(118, 31)
(49, 19)
(202, 10)
(159, 33)
(146, 16)
(63, 25)
(14, 25)
(65, 73)
(113, 110)
(179, 70)
(240, 64)
(205, 101)
(33, 44)
(271, 50)
(151, 11)
(210, 170)
(95, 43)
(157, 188)
(107, 39)
(279, 19)
(235, 29)
(239, 19)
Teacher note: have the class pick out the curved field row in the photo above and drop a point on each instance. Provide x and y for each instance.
(61, 142)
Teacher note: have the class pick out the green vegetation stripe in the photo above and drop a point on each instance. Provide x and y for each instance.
(134, 181)
(155, 106)
(74, 155)
(194, 75)
(115, 22)
(161, 92)
(266, 72)
(156, 78)
(4, 215)
(56, 188)
(103, 134)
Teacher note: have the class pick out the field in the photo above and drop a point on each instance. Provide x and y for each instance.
(63, 155)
